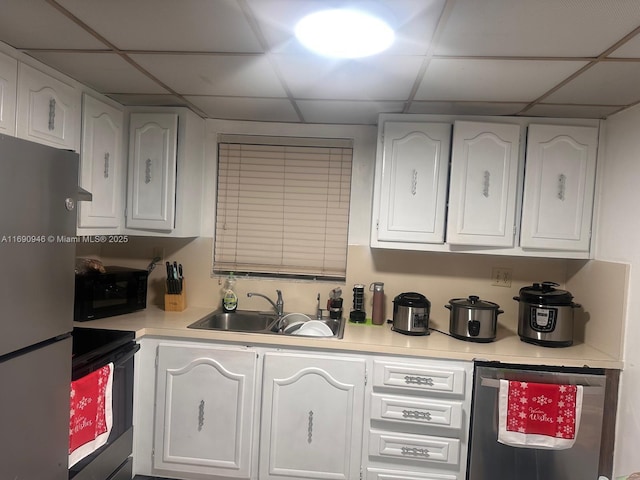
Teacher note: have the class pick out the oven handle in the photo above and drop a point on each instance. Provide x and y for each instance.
(125, 354)
(495, 383)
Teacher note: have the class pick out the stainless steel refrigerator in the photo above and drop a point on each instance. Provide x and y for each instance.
(38, 190)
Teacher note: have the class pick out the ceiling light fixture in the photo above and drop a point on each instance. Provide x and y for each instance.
(344, 33)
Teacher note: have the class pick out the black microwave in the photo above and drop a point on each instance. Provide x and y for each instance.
(117, 291)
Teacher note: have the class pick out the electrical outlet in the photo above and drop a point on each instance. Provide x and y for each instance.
(501, 277)
(158, 252)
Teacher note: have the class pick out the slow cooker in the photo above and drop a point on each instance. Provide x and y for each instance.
(473, 319)
(545, 315)
(411, 314)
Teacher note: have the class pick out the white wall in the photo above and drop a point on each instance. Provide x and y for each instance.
(618, 240)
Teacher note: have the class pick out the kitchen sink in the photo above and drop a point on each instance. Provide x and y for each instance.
(267, 323)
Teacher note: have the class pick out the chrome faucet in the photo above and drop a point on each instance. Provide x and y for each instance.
(278, 306)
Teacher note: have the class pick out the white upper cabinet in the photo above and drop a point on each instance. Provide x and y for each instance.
(152, 170)
(411, 183)
(484, 184)
(102, 166)
(8, 81)
(48, 110)
(166, 173)
(559, 187)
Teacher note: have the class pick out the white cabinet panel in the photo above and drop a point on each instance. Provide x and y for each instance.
(48, 110)
(204, 414)
(433, 376)
(559, 187)
(101, 166)
(152, 170)
(421, 448)
(483, 186)
(8, 94)
(311, 417)
(166, 173)
(417, 411)
(411, 192)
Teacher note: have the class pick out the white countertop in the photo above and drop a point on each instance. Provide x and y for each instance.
(377, 339)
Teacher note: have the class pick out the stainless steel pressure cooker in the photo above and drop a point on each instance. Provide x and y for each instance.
(545, 315)
(411, 314)
(473, 319)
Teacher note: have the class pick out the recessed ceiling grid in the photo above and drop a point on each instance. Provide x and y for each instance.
(238, 59)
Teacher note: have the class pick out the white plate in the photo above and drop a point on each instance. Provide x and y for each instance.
(314, 328)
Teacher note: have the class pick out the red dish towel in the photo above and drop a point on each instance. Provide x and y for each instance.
(539, 415)
(91, 413)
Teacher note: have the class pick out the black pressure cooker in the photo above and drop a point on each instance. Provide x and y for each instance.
(545, 315)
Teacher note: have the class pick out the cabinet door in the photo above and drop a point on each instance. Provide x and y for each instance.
(413, 187)
(152, 171)
(483, 187)
(311, 417)
(48, 110)
(559, 187)
(204, 413)
(101, 165)
(8, 80)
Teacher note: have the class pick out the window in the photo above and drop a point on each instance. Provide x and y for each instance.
(283, 206)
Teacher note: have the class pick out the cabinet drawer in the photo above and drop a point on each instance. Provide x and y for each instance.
(441, 377)
(417, 411)
(384, 474)
(418, 448)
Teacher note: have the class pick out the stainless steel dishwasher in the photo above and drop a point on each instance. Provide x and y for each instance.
(490, 460)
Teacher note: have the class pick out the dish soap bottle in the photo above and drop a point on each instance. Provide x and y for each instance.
(229, 297)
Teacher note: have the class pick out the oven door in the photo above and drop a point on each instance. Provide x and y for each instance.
(93, 349)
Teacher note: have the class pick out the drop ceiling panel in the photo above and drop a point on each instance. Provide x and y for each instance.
(232, 75)
(608, 83)
(570, 111)
(466, 108)
(168, 25)
(346, 112)
(492, 80)
(553, 28)
(36, 24)
(148, 100)
(414, 21)
(257, 109)
(374, 78)
(104, 72)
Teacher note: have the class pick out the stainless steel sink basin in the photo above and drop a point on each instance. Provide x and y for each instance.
(260, 322)
(240, 321)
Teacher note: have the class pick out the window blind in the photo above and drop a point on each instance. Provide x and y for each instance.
(283, 208)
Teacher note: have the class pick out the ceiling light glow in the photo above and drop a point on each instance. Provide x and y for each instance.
(344, 33)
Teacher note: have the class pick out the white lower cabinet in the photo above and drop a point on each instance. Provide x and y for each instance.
(418, 419)
(205, 401)
(311, 416)
(225, 412)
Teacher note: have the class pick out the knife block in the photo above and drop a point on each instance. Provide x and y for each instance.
(176, 302)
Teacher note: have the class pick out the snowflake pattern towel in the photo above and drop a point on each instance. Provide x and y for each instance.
(539, 415)
(91, 413)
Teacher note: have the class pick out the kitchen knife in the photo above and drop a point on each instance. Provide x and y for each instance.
(180, 276)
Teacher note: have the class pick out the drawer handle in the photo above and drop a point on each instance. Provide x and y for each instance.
(52, 114)
(410, 380)
(414, 451)
(201, 416)
(106, 165)
(147, 171)
(414, 182)
(416, 414)
(562, 186)
(310, 427)
(486, 183)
